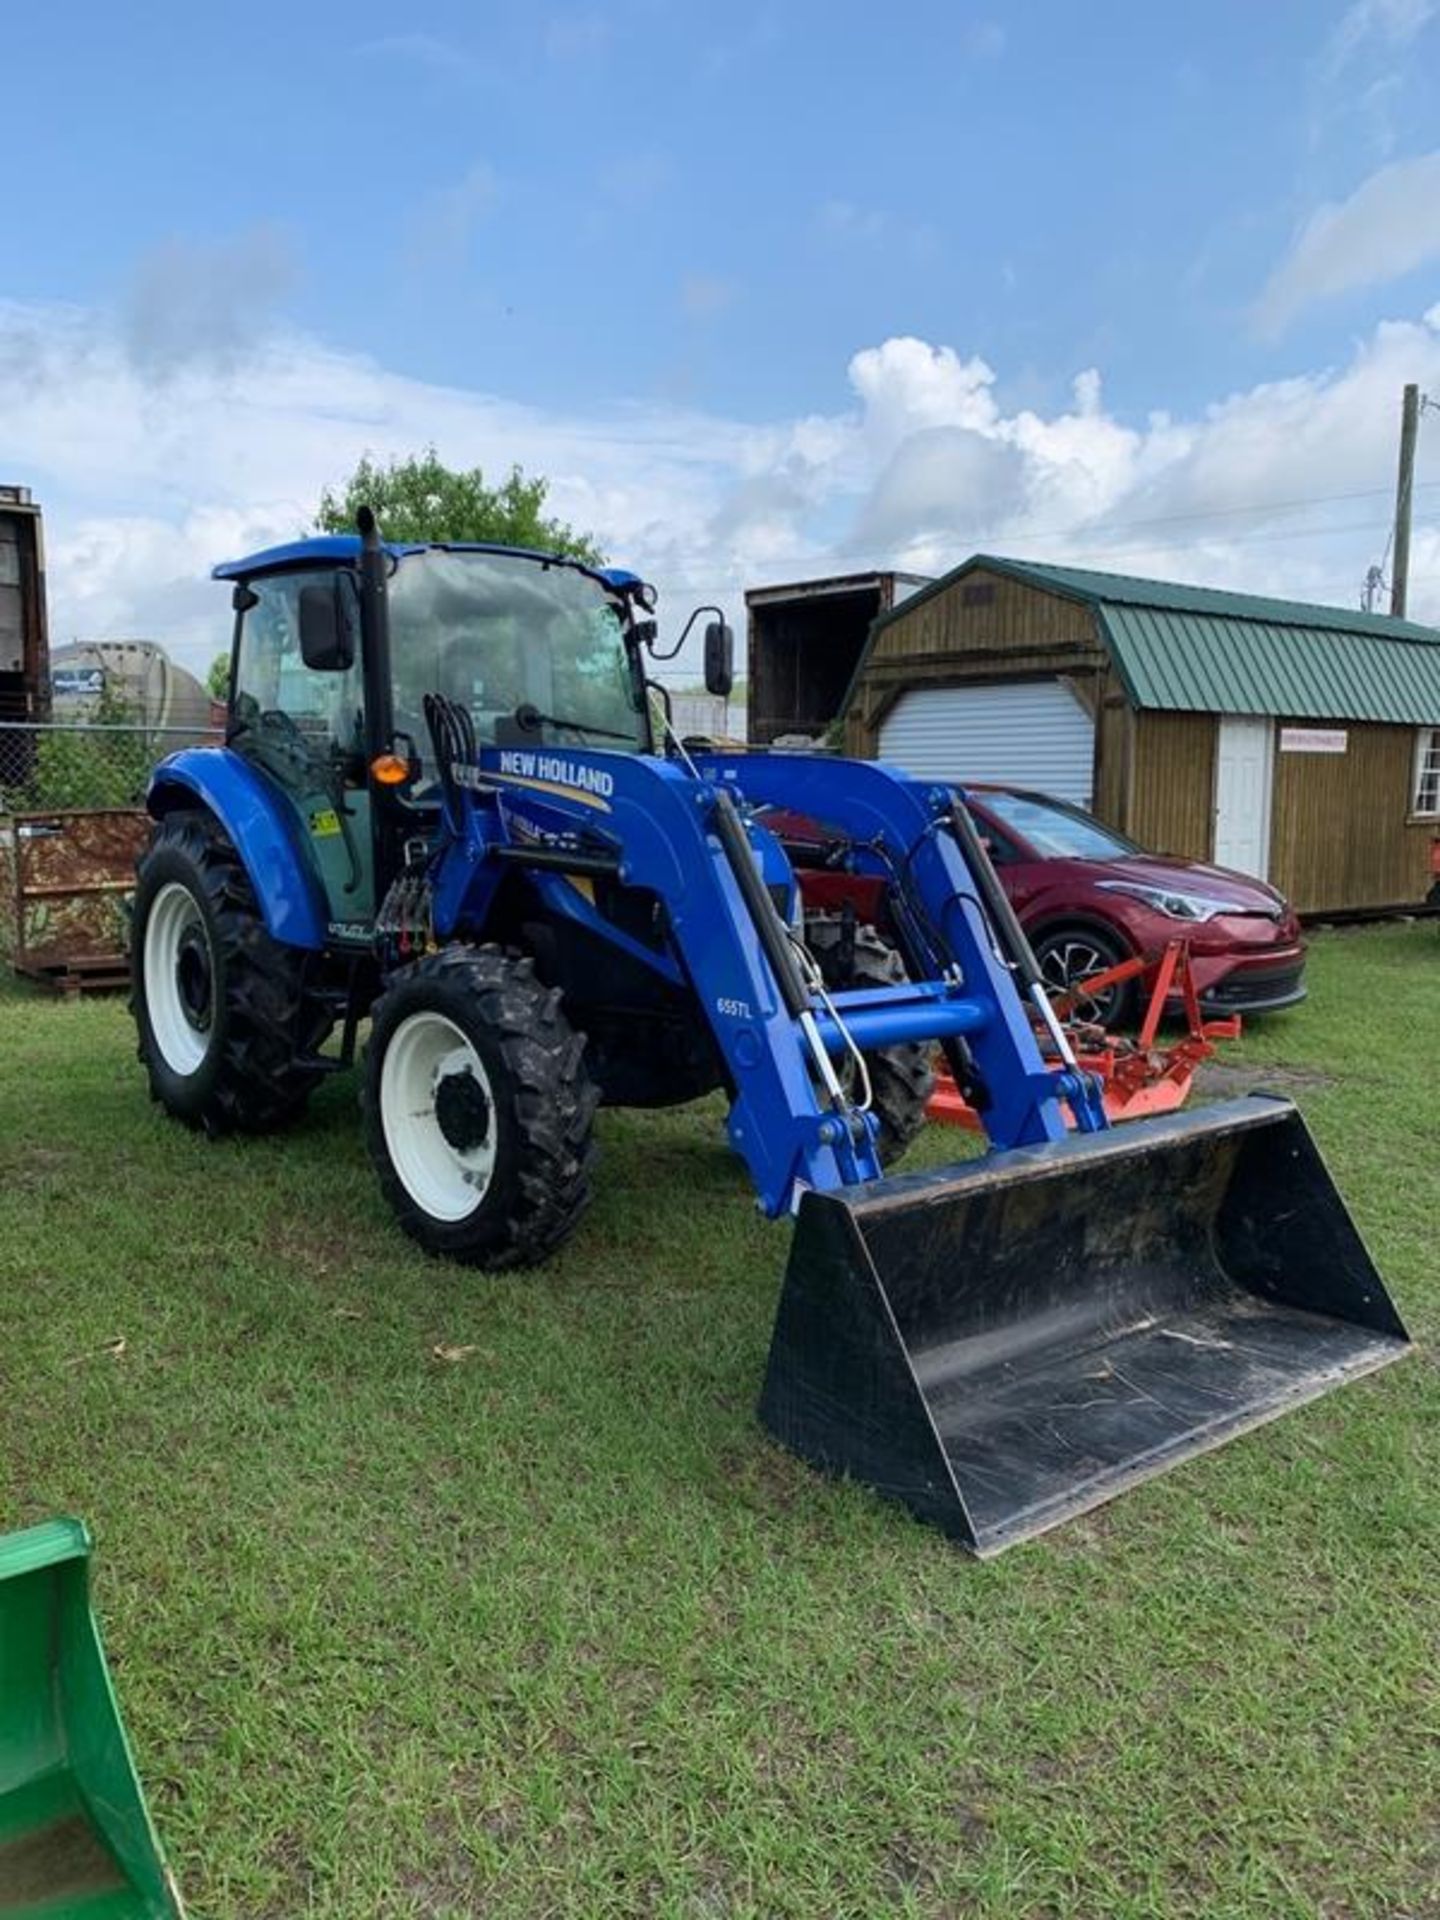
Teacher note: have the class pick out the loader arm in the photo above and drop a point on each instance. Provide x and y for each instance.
(687, 836)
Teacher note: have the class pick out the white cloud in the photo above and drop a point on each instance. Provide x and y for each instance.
(907, 385)
(1389, 226)
(148, 478)
(942, 481)
(196, 302)
(1387, 23)
(1364, 77)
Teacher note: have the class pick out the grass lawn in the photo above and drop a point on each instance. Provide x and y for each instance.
(550, 1628)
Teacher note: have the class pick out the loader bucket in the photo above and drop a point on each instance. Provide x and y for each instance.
(75, 1838)
(1004, 1343)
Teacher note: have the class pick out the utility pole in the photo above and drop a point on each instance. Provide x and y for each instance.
(1404, 488)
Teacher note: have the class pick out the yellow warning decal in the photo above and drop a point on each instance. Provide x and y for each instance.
(325, 823)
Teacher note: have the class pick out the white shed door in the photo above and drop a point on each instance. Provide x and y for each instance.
(1027, 733)
(1244, 766)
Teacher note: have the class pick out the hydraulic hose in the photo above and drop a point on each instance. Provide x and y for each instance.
(774, 942)
(769, 929)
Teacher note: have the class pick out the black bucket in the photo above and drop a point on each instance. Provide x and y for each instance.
(1004, 1343)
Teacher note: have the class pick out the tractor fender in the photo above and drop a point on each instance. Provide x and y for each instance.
(260, 825)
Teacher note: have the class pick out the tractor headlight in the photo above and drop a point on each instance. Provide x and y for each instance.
(1168, 900)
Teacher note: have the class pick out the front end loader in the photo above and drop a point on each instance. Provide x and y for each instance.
(444, 805)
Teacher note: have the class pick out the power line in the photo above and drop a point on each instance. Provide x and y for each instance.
(1235, 540)
(1257, 508)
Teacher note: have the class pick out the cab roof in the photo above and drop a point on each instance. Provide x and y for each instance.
(334, 547)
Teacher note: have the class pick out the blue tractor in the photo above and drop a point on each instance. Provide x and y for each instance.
(443, 807)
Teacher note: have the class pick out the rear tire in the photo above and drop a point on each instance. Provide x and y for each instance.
(901, 1078)
(221, 1009)
(478, 1109)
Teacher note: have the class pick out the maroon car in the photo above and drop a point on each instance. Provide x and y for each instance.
(1088, 898)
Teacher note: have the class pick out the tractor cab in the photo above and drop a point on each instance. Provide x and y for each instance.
(331, 671)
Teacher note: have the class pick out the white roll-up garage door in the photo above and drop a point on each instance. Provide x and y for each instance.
(1026, 733)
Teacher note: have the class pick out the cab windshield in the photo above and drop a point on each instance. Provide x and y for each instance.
(534, 651)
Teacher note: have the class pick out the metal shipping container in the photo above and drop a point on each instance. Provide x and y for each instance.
(24, 648)
(805, 641)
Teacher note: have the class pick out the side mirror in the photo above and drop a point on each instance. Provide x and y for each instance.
(719, 658)
(327, 627)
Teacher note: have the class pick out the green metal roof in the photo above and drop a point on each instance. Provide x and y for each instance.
(1200, 650)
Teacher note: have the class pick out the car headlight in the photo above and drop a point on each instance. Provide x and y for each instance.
(1167, 900)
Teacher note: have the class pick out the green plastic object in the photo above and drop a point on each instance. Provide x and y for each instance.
(76, 1841)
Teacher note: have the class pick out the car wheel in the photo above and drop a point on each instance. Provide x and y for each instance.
(1068, 955)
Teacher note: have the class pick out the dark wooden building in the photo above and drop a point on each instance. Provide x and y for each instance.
(803, 643)
(24, 653)
(1300, 743)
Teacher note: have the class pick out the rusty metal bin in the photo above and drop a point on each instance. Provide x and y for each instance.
(70, 871)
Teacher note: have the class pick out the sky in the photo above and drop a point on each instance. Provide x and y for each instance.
(765, 290)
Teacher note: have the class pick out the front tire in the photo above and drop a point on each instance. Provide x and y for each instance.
(478, 1109)
(222, 1015)
(901, 1078)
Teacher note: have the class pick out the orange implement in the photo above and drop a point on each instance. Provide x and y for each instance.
(1138, 1077)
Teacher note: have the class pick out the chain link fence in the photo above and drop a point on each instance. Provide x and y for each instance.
(69, 765)
(71, 821)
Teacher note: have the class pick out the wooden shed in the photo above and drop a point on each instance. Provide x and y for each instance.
(1300, 743)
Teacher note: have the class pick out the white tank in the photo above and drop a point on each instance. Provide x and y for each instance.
(136, 672)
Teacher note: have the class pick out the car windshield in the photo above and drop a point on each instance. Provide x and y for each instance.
(1054, 830)
(498, 632)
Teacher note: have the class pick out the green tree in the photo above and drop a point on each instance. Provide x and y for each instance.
(217, 680)
(422, 499)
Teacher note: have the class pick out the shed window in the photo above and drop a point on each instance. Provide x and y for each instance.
(1427, 771)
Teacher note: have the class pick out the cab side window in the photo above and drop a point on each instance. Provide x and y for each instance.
(284, 710)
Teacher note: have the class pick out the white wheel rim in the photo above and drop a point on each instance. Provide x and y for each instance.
(445, 1180)
(175, 932)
